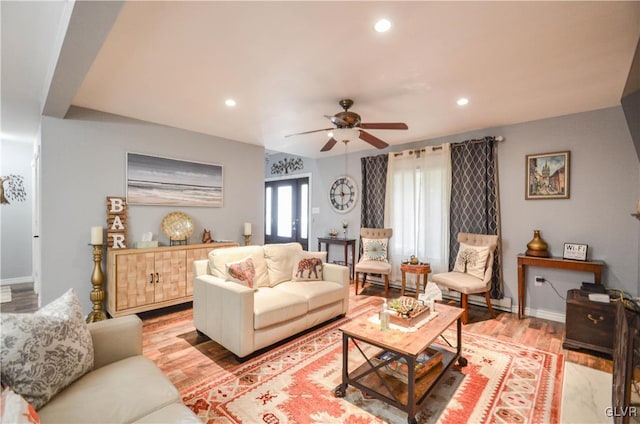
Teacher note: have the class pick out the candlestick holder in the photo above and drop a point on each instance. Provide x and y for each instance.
(97, 294)
(247, 239)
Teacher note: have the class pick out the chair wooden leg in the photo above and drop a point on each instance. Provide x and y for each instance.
(488, 297)
(357, 279)
(464, 304)
(386, 285)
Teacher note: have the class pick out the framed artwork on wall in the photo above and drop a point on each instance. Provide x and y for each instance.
(547, 176)
(155, 180)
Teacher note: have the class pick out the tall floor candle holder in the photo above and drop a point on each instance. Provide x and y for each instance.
(97, 294)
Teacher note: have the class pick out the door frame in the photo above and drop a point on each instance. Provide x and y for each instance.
(295, 177)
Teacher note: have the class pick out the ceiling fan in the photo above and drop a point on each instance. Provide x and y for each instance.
(351, 120)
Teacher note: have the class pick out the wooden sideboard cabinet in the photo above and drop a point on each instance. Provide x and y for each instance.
(140, 280)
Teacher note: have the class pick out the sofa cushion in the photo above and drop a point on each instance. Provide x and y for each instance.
(472, 260)
(121, 392)
(43, 352)
(279, 258)
(316, 293)
(242, 271)
(218, 258)
(272, 306)
(307, 266)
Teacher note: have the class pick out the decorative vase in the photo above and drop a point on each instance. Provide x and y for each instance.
(537, 246)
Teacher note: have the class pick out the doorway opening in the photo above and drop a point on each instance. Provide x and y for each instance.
(286, 217)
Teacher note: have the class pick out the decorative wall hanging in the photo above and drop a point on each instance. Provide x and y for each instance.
(12, 189)
(116, 222)
(286, 166)
(154, 180)
(547, 176)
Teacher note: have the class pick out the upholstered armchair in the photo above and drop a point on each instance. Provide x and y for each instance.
(472, 270)
(374, 258)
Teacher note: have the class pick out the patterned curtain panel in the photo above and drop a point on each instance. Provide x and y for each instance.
(475, 201)
(374, 182)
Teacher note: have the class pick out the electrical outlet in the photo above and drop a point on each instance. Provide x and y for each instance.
(539, 280)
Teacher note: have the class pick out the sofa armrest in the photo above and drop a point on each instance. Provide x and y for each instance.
(200, 267)
(336, 273)
(224, 311)
(115, 339)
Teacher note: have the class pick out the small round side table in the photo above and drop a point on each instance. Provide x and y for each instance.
(420, 269)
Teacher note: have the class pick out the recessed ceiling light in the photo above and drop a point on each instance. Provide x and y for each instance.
(383, 25)
(230, 102)
(462, 101)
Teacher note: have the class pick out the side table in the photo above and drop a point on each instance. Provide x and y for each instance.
(422, 269)
(342, 242)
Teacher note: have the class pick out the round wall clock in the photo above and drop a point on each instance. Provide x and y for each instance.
(343, 194)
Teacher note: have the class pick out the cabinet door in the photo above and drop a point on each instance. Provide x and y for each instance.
(194, 255)
(171, 277)
(135, 278)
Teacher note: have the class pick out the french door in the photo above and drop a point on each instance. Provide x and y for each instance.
(287, 211)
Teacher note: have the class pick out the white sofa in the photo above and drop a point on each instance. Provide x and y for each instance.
(124, 386)
(245, 319)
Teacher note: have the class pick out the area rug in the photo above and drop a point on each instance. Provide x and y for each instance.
(502, 383)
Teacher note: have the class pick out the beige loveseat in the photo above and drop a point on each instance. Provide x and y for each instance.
(245, 319)
(124, 386)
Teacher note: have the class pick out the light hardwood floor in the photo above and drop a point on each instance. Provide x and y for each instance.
(186, 358)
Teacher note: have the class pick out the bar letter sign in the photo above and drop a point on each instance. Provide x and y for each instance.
(116, 222)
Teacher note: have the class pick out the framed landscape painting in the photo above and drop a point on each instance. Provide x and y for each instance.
(155, 180)
(547, 176)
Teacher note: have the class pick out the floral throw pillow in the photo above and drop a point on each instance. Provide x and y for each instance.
(472, 260)
(242, 271)
(44, 352)
(14, 409)
(307, 266)
(374, 249)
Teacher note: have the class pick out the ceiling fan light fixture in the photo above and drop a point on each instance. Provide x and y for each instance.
(383, 25)
(345, 134)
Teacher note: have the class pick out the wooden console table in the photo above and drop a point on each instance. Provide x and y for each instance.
(342, 242)
(559, 263)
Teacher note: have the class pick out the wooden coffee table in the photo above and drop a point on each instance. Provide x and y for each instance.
(410, 395)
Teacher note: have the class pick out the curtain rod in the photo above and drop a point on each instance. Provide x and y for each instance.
(474, 140)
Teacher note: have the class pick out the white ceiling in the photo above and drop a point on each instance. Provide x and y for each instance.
(288, 63)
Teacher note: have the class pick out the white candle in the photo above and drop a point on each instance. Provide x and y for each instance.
(247, 228)
(96, 235)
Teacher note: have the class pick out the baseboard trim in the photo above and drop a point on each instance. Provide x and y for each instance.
(544, 314)
(17, 280)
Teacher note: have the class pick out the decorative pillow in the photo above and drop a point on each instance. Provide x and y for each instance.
(241, 271)
(14, 409)
(44, 352)
(307, 266)
(374, 249)
(471, 260)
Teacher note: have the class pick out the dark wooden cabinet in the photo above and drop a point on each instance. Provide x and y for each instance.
(589, 324)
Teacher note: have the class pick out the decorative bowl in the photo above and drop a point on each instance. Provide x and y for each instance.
(177, 226)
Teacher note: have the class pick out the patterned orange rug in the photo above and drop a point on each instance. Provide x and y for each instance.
(293, 383)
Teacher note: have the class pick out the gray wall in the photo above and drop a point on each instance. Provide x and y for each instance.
(15, 217)
(83, 162)
(605, 188)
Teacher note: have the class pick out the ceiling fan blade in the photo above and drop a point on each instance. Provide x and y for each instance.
(309, 132)
(373, 140)
(336, 120)
(332, 142)
(385, 126)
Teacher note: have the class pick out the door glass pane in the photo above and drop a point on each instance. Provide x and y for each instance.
(304, 210)
(284, 211)
(267, 215)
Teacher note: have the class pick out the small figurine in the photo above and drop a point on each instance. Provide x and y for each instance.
(413, 260)
(206, 236)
